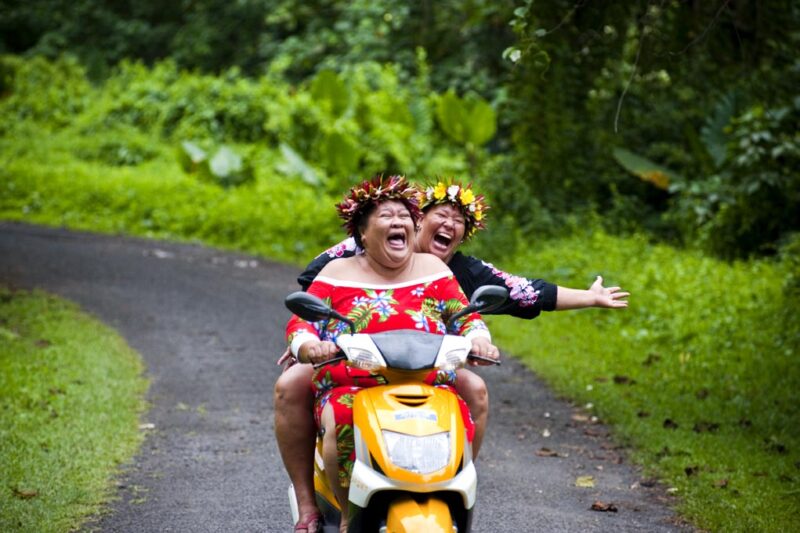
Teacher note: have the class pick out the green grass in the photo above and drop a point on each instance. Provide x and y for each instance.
(45, 182)
(71, 393)
(709, 346)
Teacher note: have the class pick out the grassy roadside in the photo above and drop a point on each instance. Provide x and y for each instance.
(71, 392)
(699, 376)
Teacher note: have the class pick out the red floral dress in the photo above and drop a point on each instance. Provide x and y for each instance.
(423, 304)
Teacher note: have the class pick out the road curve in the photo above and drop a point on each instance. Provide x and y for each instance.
(209, 326)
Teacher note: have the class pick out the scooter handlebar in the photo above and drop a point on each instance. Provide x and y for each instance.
(483, 359)
(335, 359)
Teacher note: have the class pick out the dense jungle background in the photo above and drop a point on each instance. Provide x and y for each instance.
(654, 142)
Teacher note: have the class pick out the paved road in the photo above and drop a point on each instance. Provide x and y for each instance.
(209, 326)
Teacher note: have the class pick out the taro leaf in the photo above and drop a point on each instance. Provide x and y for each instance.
(225, 163)
(585, 482)
(452, 116)
(713, 133)
(339, 153)
(482, 122)
(190, 156)
(645, 169)
(467, 121)
(294, 165)
(228, 168)
(330, 91)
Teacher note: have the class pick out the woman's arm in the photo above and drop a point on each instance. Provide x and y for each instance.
(346, 248)
(595, 296)
(303, 337)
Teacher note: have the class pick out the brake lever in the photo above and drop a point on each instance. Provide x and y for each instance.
(484, 359)
(336, 359)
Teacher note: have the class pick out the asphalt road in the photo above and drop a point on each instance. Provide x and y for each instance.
(209, 325)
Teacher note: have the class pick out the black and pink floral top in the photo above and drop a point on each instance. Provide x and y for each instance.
(528, 297)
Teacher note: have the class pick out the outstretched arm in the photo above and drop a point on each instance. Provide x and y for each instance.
(594, 296)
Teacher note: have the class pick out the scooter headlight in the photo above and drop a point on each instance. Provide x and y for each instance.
(422, 455)
(363, 359)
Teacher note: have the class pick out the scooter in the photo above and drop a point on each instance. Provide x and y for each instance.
(413, 470)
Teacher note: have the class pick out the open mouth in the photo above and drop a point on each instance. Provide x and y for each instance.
(397, 240)
(443, 239)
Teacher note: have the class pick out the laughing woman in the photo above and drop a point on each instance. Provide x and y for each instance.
(388, 287)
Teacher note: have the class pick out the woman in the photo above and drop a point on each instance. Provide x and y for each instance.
(451, 214)
(387, 287)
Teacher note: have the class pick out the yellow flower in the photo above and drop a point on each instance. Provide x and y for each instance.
(466, 197)
(478, 214)
(440, 191)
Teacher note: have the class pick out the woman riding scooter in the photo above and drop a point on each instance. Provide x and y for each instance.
(452, 213)
(387, 287)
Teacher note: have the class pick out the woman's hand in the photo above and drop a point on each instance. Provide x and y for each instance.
(482, 347)
(316, 351)
(608, 296)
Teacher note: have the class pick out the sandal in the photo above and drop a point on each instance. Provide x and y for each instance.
(312, 524)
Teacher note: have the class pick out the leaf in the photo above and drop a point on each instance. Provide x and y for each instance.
(228, 168)
(190, 156)
(585, 482)
(294, 165)
(603, 507)
(547, 452)
(645, 169)
(713, 133)
(195, 153)
(225, 163)
(339, 154)
(451, 115)
(25, 494)
(470, 120)
(329, 91)
(481, 121)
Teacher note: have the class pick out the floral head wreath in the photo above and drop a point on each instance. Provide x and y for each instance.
(373, 191)
(472, 206)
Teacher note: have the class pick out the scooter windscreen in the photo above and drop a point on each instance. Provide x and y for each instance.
(408, 349)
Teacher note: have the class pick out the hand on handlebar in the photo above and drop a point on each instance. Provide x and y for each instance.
(483, 348)
(316, 352)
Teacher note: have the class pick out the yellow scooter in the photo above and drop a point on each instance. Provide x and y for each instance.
(413, 470)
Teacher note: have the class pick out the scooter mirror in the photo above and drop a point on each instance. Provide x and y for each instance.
(311, 308)
(307, 306)
(485, 299)
(488, 298)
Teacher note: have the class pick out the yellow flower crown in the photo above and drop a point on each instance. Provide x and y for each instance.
(472, 206)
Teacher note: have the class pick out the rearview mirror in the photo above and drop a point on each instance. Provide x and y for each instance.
(484, 300)
(311, 308)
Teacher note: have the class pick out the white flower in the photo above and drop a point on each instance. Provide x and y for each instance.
(429, 193)
(452, 192)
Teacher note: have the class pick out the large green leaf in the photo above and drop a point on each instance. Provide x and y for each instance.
(339, 153)
(452, 116)
(330, 91)
(190, 156)
(466, 121)
(645, 169)
(294, 165)
(229, 168)
(481, 121)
